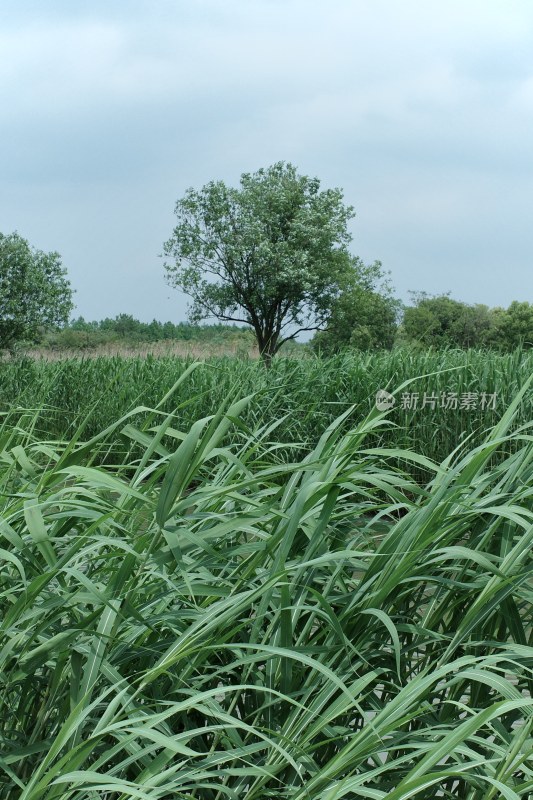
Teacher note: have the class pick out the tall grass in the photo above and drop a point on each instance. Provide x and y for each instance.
(207, 621)
(304, 395)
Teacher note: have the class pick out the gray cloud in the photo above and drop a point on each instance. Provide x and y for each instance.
(421, 112)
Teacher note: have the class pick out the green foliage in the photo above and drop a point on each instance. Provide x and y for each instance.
(473, 327)
(271, 255)
(196, 622)
(514, 326)
(441, 321)
(304, 395)
(80, 334)
(364, 316)
(34, 291)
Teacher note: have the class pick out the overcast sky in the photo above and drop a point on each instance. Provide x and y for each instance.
(420, 110)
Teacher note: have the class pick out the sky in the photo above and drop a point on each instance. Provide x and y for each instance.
(421, 111)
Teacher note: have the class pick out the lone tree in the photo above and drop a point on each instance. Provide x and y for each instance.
(34, 291)
(271, 254)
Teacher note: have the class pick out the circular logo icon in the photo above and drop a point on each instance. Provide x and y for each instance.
(384, 400)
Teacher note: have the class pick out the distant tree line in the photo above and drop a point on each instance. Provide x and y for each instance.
(376, 320)
(441, 321)
(80, 333)
(366, 317)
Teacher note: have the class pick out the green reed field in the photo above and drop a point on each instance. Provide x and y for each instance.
(218, 582)
(302, 396)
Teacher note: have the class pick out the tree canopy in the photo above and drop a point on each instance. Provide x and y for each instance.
(441, 321)
(34, 290)
(272, 254)
(514, 325)
(365, 314)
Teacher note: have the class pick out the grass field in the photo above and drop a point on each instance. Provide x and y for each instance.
(244, 589)
(302, 395)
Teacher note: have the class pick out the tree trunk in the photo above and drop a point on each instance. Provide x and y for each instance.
(267, 357)
(267, 344)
